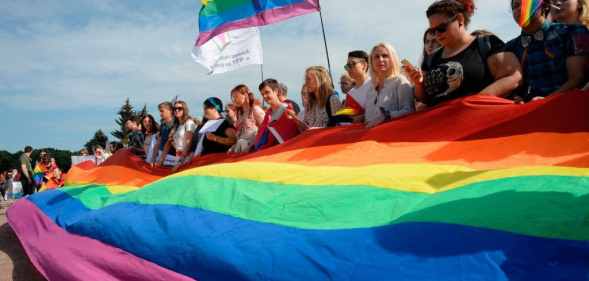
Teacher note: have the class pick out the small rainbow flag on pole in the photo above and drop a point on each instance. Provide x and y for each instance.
(528, 10)
(219, 16)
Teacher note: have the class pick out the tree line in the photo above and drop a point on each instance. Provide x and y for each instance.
(63, 158)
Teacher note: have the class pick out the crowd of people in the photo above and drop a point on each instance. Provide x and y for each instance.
(44, 174)
(549, 56)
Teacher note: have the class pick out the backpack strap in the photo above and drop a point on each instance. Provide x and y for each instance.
(484, 46)
(328, 105)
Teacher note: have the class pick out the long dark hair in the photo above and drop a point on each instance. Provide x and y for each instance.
(155, 128)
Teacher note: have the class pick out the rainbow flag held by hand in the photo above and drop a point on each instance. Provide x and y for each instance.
(219, 16)
(478, 188)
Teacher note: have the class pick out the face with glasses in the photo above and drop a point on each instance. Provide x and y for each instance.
(356, 67)
(179, 110)
(445, 29)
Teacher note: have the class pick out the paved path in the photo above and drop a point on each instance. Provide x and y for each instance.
(14, 264)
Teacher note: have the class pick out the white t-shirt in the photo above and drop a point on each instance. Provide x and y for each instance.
(180, 140)
(359, 94)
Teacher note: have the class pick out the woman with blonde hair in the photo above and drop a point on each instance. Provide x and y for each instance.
(570, 12)
(391, 94)
(323, 101)
(576, 14)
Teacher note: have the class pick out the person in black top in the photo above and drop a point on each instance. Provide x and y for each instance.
(217, 134)
(465, 64)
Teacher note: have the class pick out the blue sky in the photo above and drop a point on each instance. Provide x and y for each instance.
(67, 66)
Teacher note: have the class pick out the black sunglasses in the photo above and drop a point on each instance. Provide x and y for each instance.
(178, 108)
(441, 28)
(349, 65)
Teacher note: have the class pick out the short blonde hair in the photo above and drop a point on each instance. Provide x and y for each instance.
(395, 62)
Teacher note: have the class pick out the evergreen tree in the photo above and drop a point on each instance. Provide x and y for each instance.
(143, 112)
(125, 113)
(99, 139)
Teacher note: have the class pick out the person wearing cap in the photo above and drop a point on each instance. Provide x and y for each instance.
(217, 134)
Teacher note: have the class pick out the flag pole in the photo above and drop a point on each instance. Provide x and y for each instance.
(262, 71)
(325, 39)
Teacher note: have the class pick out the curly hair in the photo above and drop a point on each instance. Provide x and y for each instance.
(451, 8)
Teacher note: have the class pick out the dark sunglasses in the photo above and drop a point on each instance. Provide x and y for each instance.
(441, 28)
(349, 65)
(178, 108)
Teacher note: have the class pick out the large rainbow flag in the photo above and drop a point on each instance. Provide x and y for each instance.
(219, 16)
(476, 189)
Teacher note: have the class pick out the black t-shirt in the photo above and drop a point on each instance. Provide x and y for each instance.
(463, 74)
(210, 147)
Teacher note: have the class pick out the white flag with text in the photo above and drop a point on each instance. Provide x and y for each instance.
(230, 50)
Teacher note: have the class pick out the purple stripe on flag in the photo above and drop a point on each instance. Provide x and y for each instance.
(264, 18)
(59, 255)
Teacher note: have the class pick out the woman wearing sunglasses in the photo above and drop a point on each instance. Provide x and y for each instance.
(182, 133)
(464, 65)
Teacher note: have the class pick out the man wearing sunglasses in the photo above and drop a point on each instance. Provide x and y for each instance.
(357, 68)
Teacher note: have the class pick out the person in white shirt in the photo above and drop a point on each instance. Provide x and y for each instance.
(182, 134)
(357, 67)
(391, 95)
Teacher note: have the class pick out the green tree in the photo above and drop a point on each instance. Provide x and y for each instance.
(142, 113)
(125, 113)
(99, 139)
(8, 161)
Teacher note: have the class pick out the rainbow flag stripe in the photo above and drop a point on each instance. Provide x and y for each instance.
(489, 191)
(528, 10)
(219, 16)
